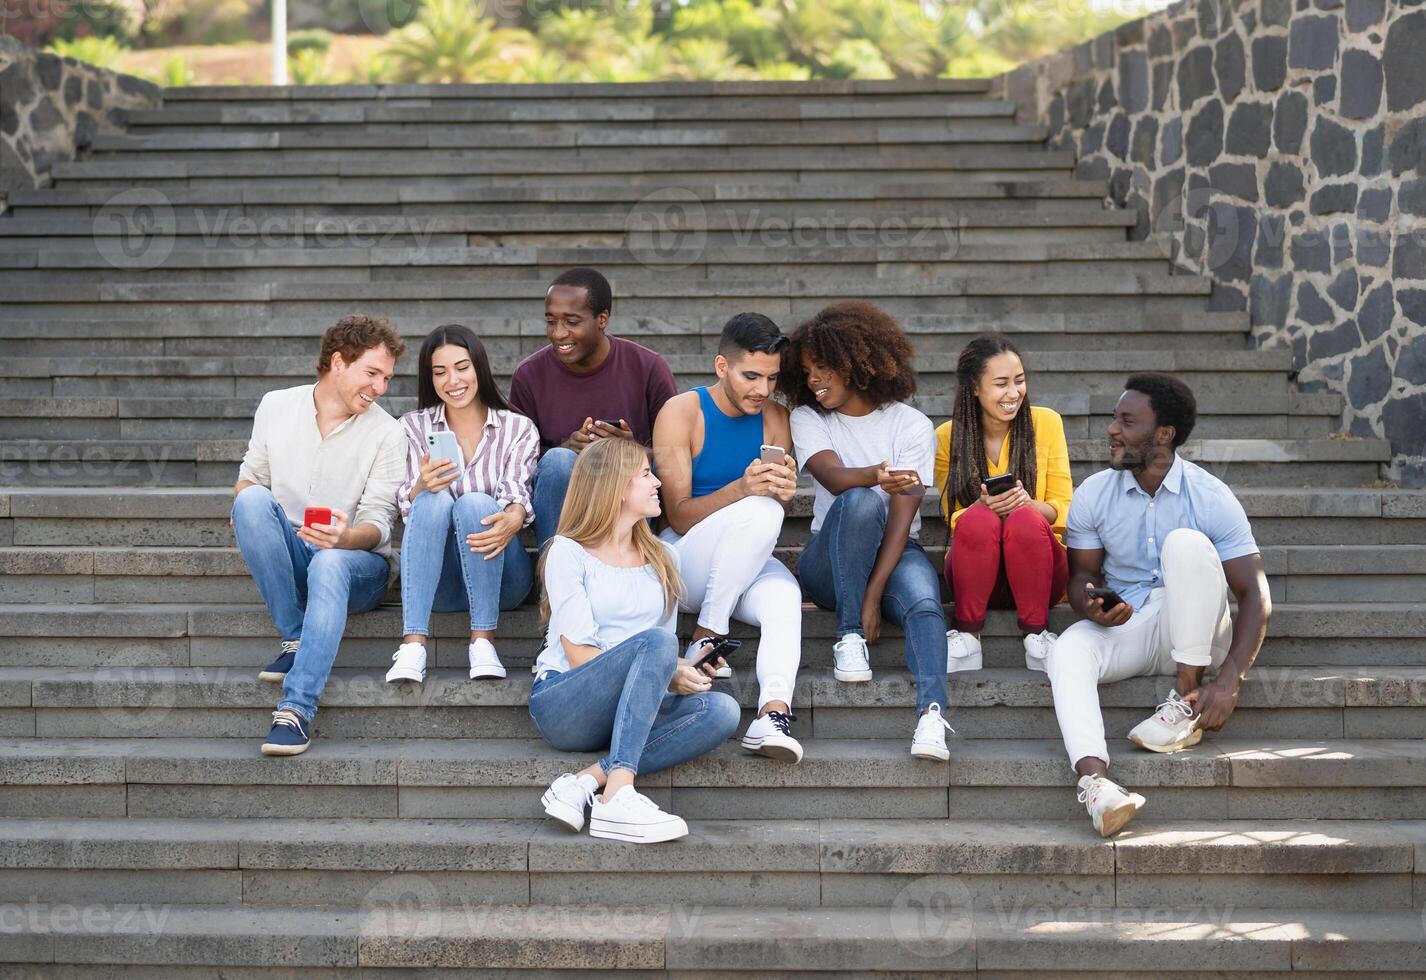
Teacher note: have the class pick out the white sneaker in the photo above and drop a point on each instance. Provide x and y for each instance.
(484, 661)
(771, 735)
(1037, 648)
(962, 651)
(929, 742)
(631, 816)
(568, 798)
(1109, 806)
(695, 650)
(1172, 727)
(409, 663)
(850, 662)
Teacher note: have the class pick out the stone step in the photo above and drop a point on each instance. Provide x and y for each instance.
(1221, 778)
(476, 195)
(1240, 462)
(1288, 416)
(235, 335)
(601, 91)
(653, 113)
(828, 863)
(150, 634)
(992, 703)
(683, 941)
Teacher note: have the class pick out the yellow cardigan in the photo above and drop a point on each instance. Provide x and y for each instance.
(1053, 484)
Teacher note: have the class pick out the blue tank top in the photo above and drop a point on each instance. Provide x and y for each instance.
(729, 445)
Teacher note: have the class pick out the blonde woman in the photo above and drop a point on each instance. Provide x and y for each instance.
(610, 674)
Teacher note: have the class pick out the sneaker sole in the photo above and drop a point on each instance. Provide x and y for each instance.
(271, 676)
(656, 835)
(558, 810)
(393, 677)
(957, 664)
(851, 676)
(778, 749)
(1118, 818)
(270, 748)
(1187, 742)
(1036, 663)
(487, 674)
(931, 752)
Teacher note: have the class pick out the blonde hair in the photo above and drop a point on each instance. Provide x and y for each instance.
(592, 504)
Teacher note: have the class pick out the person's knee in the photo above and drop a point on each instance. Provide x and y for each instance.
(724, 715)
(1187, 549)
(1027, 523)
(661, 646)
(557, 462)
(430, 505)
(476, 506)
(329, 572)
(757, 521)
(251, 502)
(862, 504)
(977, 528)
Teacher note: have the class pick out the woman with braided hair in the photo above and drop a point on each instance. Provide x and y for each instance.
(1006, 546)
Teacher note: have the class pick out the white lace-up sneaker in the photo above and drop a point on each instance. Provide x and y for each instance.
(850, 662)
(929, 742)
(771, 735)
(1037, 648)
(631, 816)
(695, 650)
(963, 651)
(568, 798)
(1109, 806)
(1172, 727)
(409, 663)
(484, 661)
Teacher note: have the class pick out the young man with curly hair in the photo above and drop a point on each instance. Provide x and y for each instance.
(848, 373)
(326, 445)
(1170, 541)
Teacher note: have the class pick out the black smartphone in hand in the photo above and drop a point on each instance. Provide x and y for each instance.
(996, 485)
(1110, 597)
(723, 648)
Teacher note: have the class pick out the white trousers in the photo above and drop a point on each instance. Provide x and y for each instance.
(729, 573)
(1185, 622)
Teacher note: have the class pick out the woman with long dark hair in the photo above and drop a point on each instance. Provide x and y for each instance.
(460, 549)
(1006, 547)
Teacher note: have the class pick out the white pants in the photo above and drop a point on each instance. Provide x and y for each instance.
(1184, 622)
(729, 573)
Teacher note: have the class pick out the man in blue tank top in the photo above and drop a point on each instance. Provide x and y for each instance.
(725, 503)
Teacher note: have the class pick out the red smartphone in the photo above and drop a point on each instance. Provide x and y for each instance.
(317, 515)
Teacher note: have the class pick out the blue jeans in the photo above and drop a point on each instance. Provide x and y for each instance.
(621, 699)
(836, 565)
(308, 591)
(550, 485)
(438, 569)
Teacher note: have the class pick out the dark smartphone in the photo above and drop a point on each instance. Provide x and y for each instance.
(997, 485)
(1110, 597)
(723, 648)
(612, 423)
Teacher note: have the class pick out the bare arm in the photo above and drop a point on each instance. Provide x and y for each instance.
(1087, 570)
(1249, 584)
(827, 469)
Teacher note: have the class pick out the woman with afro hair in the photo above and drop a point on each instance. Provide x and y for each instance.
(847, 375)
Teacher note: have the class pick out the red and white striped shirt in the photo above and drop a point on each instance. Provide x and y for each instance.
(503, 465)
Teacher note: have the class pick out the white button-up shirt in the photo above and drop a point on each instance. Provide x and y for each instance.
(356, 469)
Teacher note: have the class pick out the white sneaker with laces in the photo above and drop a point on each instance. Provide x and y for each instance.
(1037, 648)
(963, 651)
(633, 817)
(929, 742)
(568, 798)
(484, 661)
(409, 663)
(1172, 727)
(1109, 806)
(850, 661)
(695, 650)
(771, 735)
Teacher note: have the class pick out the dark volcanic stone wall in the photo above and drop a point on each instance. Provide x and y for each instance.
(1278, 146)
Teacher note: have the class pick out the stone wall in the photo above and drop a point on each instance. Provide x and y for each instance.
(1278, 146)
(51, 107)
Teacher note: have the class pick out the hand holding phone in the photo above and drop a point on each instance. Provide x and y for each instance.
(323, 534)
(909, 480)
(612, 429)
(1106, 607)
(715, 651)
(316, 515)
(996, 485)
(773, 454)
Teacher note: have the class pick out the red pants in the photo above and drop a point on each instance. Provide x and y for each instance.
(995, 564)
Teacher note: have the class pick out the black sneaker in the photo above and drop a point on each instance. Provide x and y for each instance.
(290, 734)
(276, 672)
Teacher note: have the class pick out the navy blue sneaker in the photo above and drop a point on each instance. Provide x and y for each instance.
(290, 734)
(276, 672)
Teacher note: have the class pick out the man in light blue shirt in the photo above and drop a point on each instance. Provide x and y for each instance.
(1168, 540)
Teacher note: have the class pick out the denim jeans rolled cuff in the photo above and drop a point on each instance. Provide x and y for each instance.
(548, 490)
(440, 573)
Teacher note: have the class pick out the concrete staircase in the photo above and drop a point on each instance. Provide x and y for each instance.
(141, 833)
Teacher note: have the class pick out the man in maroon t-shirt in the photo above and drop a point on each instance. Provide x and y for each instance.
(583, 387)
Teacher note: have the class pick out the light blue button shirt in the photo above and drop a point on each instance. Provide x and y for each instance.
(1111, 511)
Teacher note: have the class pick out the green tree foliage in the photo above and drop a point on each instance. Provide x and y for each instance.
(450, 41)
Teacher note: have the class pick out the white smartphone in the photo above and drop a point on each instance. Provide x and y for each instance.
(917, 491)
(445, 445)
(774, 454)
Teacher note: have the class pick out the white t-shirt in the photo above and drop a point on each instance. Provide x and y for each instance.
(597, 605)
(896, 433)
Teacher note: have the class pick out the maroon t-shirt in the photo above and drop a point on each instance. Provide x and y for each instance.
(632, 384)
